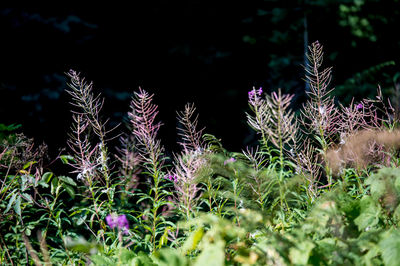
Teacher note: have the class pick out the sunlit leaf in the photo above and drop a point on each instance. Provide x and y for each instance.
(369, 215)
(68, 180)
(390, 247)
(212, 255)
(10, 202)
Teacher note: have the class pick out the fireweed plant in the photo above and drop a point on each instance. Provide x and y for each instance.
(321, 187)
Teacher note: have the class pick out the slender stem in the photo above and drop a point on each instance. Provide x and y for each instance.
(96, 207)
(5, 246)
(281, 157)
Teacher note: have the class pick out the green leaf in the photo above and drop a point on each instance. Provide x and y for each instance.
(54, 185)
(142, 259)
(28, 164)
(170, 257)
(10, 203)
(126, 255)
(378, 186)
(66, 159)
(380, 181)
(102, 260)
(193, 240)
(212, 255)
(301, 253)
(390, 247)
(164, 238)
(370, 257)
(70, 190)
(397, 184)
(396, 215)
(320, 141)
(47, 176)
(27, 197)
(9, 128)
(81, 220)
(17, 206)
(369, 215)
(68, 180)
(81, 245)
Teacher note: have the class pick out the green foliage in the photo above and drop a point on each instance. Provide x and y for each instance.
(278, 203)
(390, 246)
(6, 130)
(369, 216)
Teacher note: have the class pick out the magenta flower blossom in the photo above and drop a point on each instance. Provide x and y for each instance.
(172, 178)
(230, 160)
(121, 222)
(359, 106)
(255, 92)
(111, 220)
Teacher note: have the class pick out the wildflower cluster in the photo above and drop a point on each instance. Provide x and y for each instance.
(322, 185)
(118, 221)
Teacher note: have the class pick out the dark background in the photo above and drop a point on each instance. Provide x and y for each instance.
(193, 51)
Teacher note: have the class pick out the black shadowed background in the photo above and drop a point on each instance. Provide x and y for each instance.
(193, 51)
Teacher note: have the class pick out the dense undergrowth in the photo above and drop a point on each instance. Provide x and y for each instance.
(322, 187)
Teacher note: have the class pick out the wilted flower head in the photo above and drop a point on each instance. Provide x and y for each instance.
(121, 222)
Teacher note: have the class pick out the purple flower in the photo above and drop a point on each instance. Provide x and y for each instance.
(172, 178)
(230, 160)
(121, 222)
(255, 92)
(359, 106)
(252, 93)
(111, 220)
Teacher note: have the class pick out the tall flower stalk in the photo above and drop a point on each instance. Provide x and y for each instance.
(151, 153)
(276, 123)
(260, 118)
(191, 162)
(319, 115)
(282, 127)
(91, 161)
(129, 165)
(88, 143)
(191, 136)
(187, 168)
(89, 107)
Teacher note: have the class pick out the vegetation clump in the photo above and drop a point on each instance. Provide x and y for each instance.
(321, 187)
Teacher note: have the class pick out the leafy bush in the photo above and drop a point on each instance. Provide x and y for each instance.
(322, 187)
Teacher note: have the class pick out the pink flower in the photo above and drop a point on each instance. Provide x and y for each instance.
(230, 160)
(359, 106)
(121, 222)
(172, 178)
(111, 220)
(255, 92)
